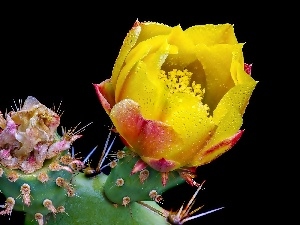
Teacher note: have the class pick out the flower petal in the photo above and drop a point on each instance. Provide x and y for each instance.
(215, 151)
(142, 84)
(228, 116)
(152, 29)
(216, 61)
(212, 34)
(162, 165)
(105, 93)
(148, 138)
(186, 50)
(188, 117)
(227, 127)
(128, 43)
(136, 55)
(237, 97)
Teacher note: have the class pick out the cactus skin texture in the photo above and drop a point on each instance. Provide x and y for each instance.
(122, 186)
(29, 192)
(90, 206)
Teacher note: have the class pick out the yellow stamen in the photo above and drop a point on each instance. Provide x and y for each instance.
(179, 81)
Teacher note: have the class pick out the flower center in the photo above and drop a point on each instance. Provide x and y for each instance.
(179, 81)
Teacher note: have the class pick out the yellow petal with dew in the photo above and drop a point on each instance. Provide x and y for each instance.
(216, 61)
(212, 34)
(228, 126)
(186, 50)
(128, 43)
(188, 117)
(140, 87)
(152, 29)
(219, 149)
(143, 85)
(137, 54)
(239, 75)
(236, 98)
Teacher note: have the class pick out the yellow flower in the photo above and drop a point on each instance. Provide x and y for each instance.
(177, 96)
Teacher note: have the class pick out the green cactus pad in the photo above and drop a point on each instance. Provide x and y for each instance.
(90, 206)
(131, 186)
(39, 191)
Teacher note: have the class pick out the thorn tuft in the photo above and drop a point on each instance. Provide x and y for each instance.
(48, 204)
(144, 174)
(39, 218)
(126, 201)
(120, 182)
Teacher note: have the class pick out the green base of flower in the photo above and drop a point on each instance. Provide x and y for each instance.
(132, 186)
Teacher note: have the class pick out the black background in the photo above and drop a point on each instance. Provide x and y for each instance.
(55, 53)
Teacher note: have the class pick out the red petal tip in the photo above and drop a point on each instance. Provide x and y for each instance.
(136, 23)
(236, 137)
(248, 68)
(138, 166)
(162, 165)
